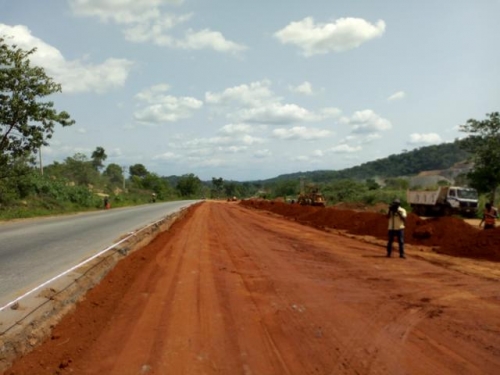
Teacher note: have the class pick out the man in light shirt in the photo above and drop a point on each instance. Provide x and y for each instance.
(397, 219)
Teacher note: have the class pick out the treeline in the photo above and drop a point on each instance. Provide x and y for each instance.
(81, 182)
(407, 163)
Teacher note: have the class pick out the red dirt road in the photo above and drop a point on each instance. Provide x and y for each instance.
(230, 290)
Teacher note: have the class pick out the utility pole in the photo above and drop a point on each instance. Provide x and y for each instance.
(40, 159)
(124, 168)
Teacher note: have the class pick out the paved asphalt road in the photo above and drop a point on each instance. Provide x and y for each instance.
(35, 250)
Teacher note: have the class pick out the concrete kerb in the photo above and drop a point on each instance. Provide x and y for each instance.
(29, 321)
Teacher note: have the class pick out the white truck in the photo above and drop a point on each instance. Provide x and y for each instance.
(445, 201)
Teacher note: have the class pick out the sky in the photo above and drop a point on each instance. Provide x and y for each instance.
(252, 89)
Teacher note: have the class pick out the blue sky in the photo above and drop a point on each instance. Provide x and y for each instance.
(248, 90)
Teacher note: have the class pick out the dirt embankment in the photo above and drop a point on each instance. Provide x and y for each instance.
(448, 235)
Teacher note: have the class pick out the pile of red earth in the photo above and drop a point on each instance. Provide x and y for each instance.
(448, 235)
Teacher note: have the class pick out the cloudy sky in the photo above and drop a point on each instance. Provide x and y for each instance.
(248, 90)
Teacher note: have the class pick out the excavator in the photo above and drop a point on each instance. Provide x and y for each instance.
(310, 195)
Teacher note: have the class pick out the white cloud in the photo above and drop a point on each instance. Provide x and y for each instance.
(261, 154)
(301, 158)
(208, 39)
(304, 88)
(361, 138)
(232, 149)
(76, 75)
(301, 133)
(144, 22)
(424, 139)
(366, 122)
(256, 103)
(275, 113)
(397, 96)
(236, 129)
(200, 143)
(204, 162)
(115, 152)
(164, 108)
(81, 130)
(155, 31)
(120, 11)
(167, 156)
(252, 95)
(341, 35)
(331, 112)
(345, 149)
(250, 140)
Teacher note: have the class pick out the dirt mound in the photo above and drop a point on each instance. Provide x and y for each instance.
(450, 235)
(481, 244)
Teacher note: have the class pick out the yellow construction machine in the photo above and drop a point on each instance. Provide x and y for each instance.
(310, 195)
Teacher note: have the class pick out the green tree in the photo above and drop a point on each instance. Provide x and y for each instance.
(484, 145)
(231, 189)
(344, 190)
(156, 184)
(98, 156)
(114, 173)
(138, 170)
(371, 184)
(286, 188)
(25, 121)
(188, 185)
(79, 170)
(218, 186)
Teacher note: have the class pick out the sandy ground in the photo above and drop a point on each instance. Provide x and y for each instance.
(229, 290)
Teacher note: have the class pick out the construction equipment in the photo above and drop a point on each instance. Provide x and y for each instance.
(445, 201)
(310, 195)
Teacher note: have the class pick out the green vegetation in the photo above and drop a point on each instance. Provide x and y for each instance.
(26, 122)
(407, 163)
(484, 144)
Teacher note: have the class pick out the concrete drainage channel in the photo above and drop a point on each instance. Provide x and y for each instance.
(27, 321)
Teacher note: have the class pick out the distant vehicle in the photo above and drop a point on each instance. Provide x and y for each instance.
(445, 201)
(310, 196)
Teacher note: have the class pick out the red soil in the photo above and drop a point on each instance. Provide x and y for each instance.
(449, 235)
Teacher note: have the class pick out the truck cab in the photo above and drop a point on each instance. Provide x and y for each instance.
(462, 200)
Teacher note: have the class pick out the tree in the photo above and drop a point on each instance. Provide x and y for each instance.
(138, 170)
(371, 184)
(286, 188)
(218, 186)
(156, 184)
(25, 122)
(98, 156)
(188, 185)
(484, 145)
(79, 170)
(114, 173)
(231, 189)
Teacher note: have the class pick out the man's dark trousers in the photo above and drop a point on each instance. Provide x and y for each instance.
(400, 234)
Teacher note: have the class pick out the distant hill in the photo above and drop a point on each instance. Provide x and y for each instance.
(429, 158)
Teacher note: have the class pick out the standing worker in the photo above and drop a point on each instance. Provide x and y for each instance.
(489, 215)
(397, 220)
